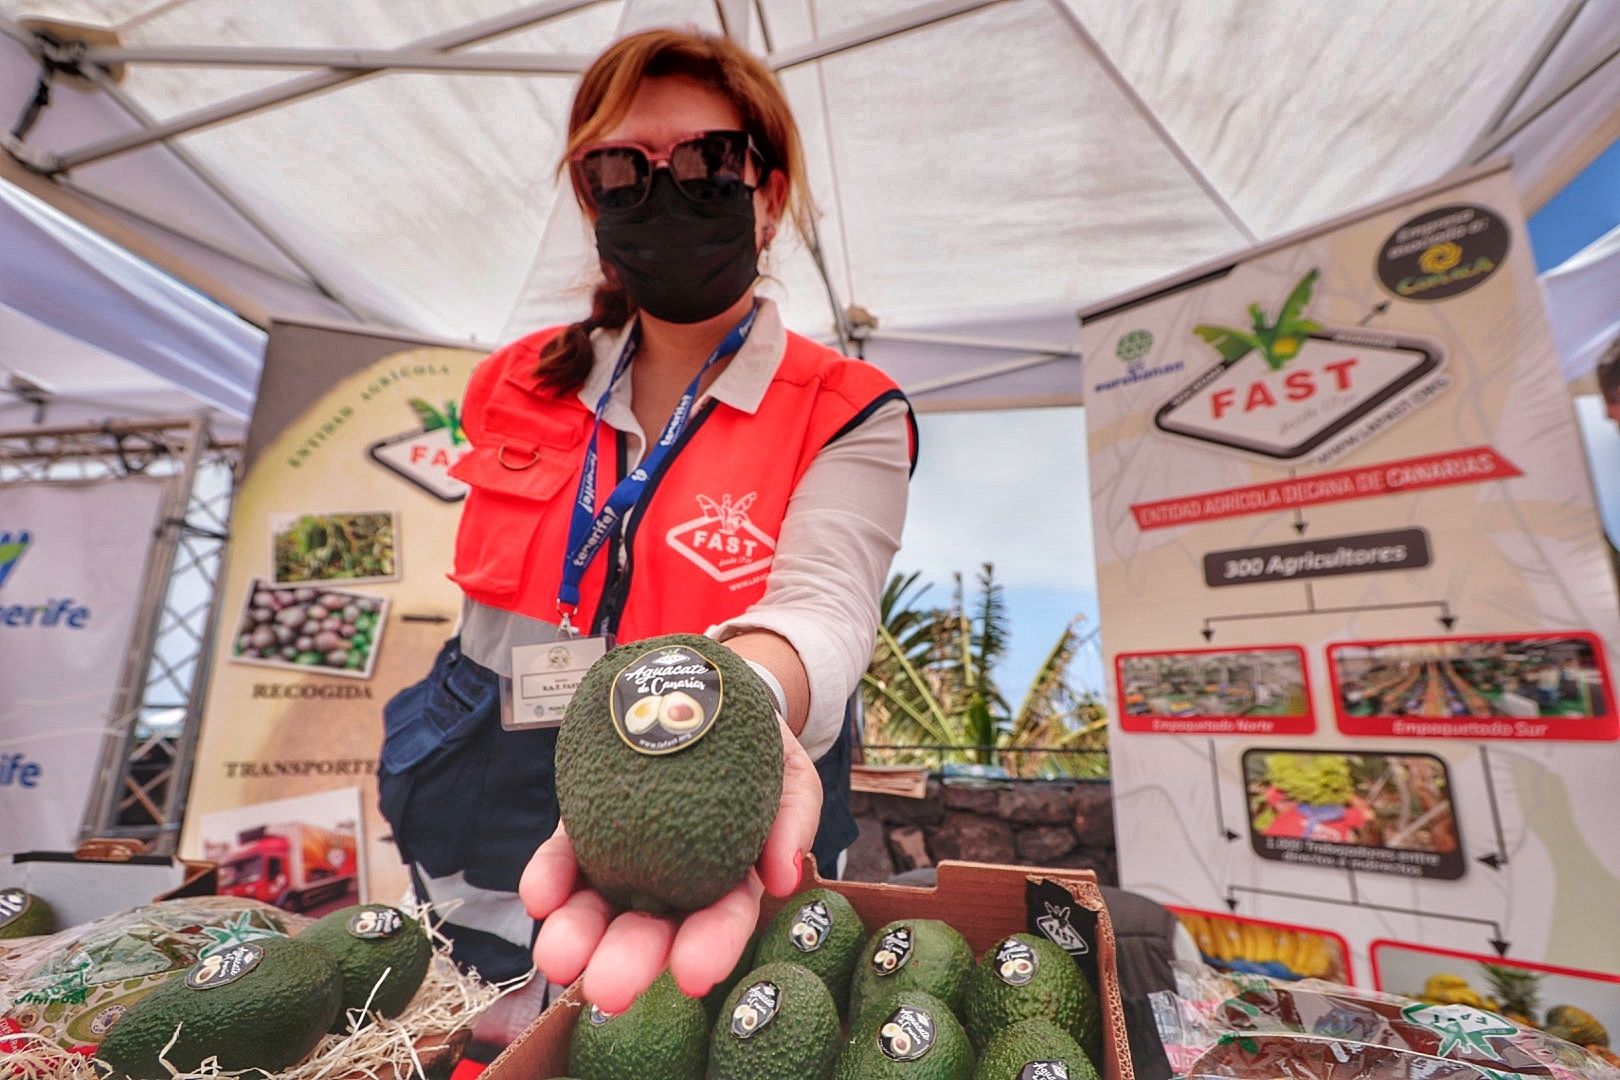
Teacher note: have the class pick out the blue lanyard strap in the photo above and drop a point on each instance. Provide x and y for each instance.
(588, 530)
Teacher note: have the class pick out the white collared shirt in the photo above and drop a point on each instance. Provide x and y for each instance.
(838, 538)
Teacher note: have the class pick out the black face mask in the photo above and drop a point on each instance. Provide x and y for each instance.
(680, 260)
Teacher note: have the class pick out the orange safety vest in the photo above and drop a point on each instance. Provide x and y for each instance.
(700, 544)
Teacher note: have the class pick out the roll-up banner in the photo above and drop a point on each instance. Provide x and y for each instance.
(1359, 618)
(73, 562)
(335, 597)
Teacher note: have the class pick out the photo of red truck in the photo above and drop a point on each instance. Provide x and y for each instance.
(294, 866)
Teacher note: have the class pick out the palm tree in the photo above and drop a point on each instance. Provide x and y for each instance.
(932, 681)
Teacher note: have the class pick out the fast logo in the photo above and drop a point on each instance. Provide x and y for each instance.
(55, 613)
(723, 542)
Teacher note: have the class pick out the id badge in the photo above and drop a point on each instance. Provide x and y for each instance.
(544, 678)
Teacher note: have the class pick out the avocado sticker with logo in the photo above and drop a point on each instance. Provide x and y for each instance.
(819, 930)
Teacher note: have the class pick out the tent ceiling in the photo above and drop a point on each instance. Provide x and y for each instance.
(986, 173)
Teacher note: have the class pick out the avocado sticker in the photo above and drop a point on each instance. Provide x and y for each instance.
(598, 1017)
(1044, 1070)
(224, 968)
(666, 700)
(810, 926)
(1016, 963)
(1443, 252)
(375, 923)
(907, 1035)
(103, 1021)
(13, 902)
(756, 1009)
(893, 951)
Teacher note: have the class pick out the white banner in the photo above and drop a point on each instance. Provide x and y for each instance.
(71, 564)
(1358, 612)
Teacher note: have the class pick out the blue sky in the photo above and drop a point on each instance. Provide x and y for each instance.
(1011, 488)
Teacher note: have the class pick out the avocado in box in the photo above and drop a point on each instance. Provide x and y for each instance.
(985, 905)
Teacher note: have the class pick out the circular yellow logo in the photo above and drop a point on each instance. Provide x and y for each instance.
(1440, 258)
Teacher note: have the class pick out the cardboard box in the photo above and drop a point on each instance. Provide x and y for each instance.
(985, 903)
(104, 877)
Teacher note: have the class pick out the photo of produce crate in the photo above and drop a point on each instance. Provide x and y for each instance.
(302, 628)
(1577, 1006)
(1500, 678)
(1258, 947)
(349, 547)
(1395, 801)
(1248, 682)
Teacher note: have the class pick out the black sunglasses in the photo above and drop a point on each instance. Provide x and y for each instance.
(705, 166)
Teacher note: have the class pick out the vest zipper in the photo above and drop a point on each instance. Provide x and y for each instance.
(607, 616)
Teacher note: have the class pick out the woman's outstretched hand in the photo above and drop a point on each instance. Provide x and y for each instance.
(621, 953)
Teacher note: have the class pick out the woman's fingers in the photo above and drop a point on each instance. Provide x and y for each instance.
(794, 831)
(570, 935)
(548, 881)
(630, 956)
(710, 941)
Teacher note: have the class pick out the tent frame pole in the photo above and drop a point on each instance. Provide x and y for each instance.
(356, 60)
(1042, 348)
(306, 86)
(1117, 77)
(1549, 44)
(210, 180)
(1498, 139)
(877, 30)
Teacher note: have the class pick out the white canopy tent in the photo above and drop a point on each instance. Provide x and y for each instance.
(983, 167)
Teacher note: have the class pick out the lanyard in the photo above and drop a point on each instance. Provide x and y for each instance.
(588, 530)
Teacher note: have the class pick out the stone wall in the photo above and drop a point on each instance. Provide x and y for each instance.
(1064, 823)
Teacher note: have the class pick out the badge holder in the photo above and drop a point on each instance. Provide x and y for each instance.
(546, 670)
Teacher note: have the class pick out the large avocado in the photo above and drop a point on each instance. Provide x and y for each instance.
(383, 956)
(669, 784)
(778, 1023)
(911, 954)
(819, 930)
(1027, 977)
(909, 1036)
(258, 1005)
(663, 1033)
(1031, 1049)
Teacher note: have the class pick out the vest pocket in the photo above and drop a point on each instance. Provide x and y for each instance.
(514, 481)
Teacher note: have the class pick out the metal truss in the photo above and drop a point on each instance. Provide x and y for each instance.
(144, 769)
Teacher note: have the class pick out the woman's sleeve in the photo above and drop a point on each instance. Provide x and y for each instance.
(838, 539)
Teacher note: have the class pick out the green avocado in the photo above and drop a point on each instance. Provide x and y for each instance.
(817, 929)
(1027, 977)
(1034, 1050)
(22, 914)
(779, 1023)
(259, 1005)
(687, 726)
(911, 954)
(909, 1036)
(661, 1034)
(382, 953)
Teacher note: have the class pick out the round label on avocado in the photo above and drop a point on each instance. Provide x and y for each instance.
(665, 700)
(13, 902)
(375, 923)
(892, 952)
(756, 1009)
(907, 1035)
(598, 1017)
(224, 968)
(104, 1020)
(1443, 252)
(810, 926)
(1044, 1070)
(1016, 963)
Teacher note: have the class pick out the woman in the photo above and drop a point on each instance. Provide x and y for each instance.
(675, 462)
